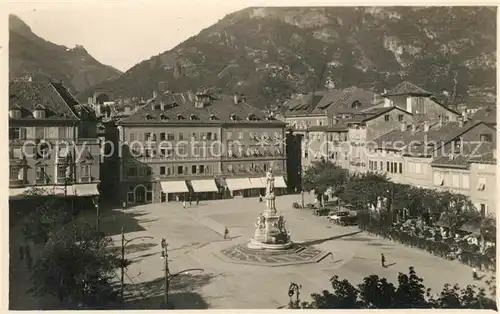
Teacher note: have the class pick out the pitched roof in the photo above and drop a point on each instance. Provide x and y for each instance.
(303, 104)
(420, 142)
(54, 97)
(407, 88)
(487, 115)
(343, 101)
(179, 108)
(477, 153)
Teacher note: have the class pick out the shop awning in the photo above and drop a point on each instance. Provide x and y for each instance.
(86, 189)
(258, 183)
(279, 182)
(174, 186)
(57, 190)
(204, 185)
(235, 184)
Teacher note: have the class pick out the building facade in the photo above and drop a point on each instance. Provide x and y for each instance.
(53, 144)
(182, 146)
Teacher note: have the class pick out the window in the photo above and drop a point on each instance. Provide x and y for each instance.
(39, 133)
(265, 167)
(381, 166)
(85, 171)
(147, 136)
(418, 167)
(209, 136)
(62, 132)
(16, 173)
(162, 136)
(387, 167)
(162, 170)
(62, 173)
(240, 135)
(180, 170)
(481, 185)
(392, 167)
(400, 118)
(483, 209)
(193, 169)
(400, 167)
(202, 169)
(387, 118)
(229, 135)
(465, 181)
(14, 133)
(170, 137)
(132, 172)
(455, 180)
(41, 175)
(194, 136)
(181, 136)
(486, 138)
(132, 136)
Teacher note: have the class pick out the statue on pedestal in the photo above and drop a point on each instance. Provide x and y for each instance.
(269, 182)
(261, 220)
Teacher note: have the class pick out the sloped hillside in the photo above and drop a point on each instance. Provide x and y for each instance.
(32, 55)
(269, 53)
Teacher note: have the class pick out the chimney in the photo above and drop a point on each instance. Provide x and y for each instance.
(155, 94)
(404, 126)
(426, 126)
(460, 122)
(413, 128)
(236, 98)
(162, 106)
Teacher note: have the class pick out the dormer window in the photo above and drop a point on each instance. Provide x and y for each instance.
(356, 104)
(233, 117)
(148, 117)
(15, 113)
(39, 112)
(213, 117)
(180, 117)
(194, 117)
(252, 117)
(163, 117)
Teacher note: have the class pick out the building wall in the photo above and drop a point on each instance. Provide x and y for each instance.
(486, 174)
(385, 123)
(387, 162)
(418, 171)
(455, 180)
(424, 106)
(303, 122)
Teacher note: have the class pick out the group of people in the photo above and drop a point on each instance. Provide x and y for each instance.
(184, 203)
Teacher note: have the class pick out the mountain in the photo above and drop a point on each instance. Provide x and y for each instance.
(34, 56)
(269, 53)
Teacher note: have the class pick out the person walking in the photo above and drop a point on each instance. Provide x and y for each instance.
(382, 259)
(197, 201)
(184, 204)
(331, 257)
(190, 201)
(226, 233)
(260, 198)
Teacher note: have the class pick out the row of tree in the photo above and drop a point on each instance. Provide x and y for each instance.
(75, 262)
(410, 292)
(369, 190)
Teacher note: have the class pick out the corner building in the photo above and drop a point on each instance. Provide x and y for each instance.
(185, 146)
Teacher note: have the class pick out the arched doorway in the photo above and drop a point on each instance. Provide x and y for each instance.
(140, 194)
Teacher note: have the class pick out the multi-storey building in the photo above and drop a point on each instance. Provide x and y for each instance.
(53, 144)
(184, 146)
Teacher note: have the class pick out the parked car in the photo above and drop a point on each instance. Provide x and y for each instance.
(322, 211)
(335, 216)
(348, 220)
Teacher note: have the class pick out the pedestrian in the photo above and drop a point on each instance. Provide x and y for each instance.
(183, 204)
(190, 201)
(260, 198)
(474, 274)
(226, 233)
(197, 201)
(331, 257)
(382, 259)
(163, 243)
(21, 252)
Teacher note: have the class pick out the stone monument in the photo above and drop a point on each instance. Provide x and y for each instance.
(270, 232)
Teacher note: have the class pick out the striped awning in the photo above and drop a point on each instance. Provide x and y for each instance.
(86, 189)
(204, 185)
(279, 182)
(174, 186)
(258, 183)
(235, 184)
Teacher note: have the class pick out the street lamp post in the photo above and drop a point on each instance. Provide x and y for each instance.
(95, 200)
(167, 275)
(122, 266)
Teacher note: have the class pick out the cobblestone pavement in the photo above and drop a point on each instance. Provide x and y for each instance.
(195, 234)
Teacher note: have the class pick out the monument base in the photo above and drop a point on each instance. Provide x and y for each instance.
(255, 244)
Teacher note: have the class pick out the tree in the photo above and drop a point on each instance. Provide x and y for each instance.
(46, 219)
(321, 176)
(76, 266)
(363, 190)
(377, 293)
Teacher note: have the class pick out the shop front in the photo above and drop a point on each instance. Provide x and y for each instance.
(239, 187)
(174, 191)
(205, 189)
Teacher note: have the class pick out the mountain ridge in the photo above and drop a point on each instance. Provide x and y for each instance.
(31, 55)
(269, 53)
